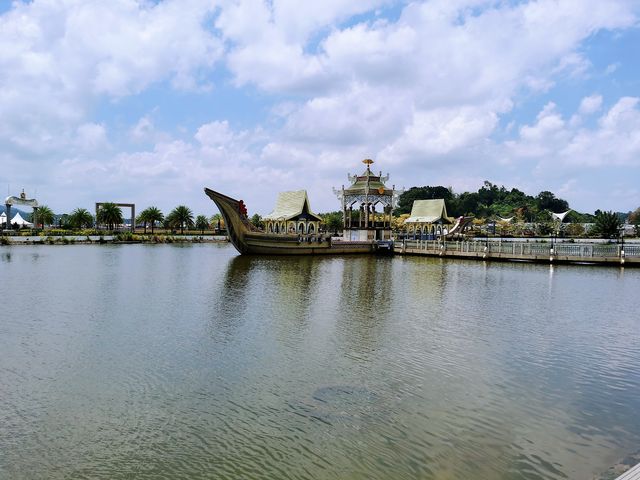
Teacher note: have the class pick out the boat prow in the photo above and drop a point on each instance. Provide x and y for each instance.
(235, 221)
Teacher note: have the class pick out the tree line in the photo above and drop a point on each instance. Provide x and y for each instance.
(110, 216)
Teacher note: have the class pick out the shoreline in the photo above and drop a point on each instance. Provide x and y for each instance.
(109, 239)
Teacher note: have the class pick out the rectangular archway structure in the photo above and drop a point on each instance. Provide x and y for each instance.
(132, 206)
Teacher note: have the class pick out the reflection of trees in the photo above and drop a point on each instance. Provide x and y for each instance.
(365, 297)
(230, 304)
(290, 285)
(278, 289)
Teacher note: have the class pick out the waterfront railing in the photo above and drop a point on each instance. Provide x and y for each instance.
(522, 250)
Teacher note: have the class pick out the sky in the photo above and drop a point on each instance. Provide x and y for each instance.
(151, 101)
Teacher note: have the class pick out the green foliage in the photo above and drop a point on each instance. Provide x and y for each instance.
(109, 214)
(202, 223)
(150, 215)
(80, 218)
(607, 225)
(490, 201)
(332, 221)
(124, 237)
(256, 220)
(180, 217)
(574, 230)
(43, 216)
(421, 193)
(548, 201)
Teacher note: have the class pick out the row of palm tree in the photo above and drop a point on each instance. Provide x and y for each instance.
(110, 215)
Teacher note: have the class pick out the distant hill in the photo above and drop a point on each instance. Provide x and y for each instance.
(15, 210)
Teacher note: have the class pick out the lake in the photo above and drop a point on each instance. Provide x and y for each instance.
(188, 361)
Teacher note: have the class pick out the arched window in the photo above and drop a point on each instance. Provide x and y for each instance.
(301, 227)
(311, 228)
(277, 229)
(270, 227)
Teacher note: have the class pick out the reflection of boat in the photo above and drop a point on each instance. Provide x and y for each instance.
(249, 239)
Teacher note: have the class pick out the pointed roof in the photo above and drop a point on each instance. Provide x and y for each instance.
(368, 182)
(19, 220)
(560, 216)
(291, 204)
(428, 211)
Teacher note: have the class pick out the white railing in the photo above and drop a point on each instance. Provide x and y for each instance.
(523, 249)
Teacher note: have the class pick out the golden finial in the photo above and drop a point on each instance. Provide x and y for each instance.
(367, 161)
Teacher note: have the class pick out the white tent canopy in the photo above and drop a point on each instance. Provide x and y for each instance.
(21, 222)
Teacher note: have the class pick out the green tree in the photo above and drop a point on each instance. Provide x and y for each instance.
(332, 221)
(80, 218)
(110, 214)
(217, 222)
(405, 202)
(44, 216)
(142, 218)
(256, 221)
(63, 221)
(202, 223)
(574, 230)
(151, 215)
(181, 217)
(548, 201)
(607, 224)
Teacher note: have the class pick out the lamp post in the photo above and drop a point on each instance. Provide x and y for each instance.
(622, 244)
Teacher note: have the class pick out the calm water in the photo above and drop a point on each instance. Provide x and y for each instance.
(191, 362)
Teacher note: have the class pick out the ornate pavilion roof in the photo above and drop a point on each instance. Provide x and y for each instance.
(428, 211)
(290, 205)
(368, 182)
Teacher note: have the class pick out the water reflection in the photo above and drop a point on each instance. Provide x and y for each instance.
(366, 288)
(191, 361)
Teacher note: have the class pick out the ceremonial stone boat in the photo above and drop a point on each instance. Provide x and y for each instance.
(293, 229)
(248, 239)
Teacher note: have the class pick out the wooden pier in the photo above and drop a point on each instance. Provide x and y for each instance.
(632, 474)
(539, 252)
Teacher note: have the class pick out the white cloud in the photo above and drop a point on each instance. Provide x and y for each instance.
(92, 136)
(425, 92)
(590, 104)
(214, 134)
(57, 58)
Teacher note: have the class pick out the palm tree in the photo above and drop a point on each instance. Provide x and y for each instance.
(181, 216)
(43, 216)
(80, 218)
(151, 215)
(142, 218)
(607, 225)
(110, 215)
(202, 223)
(217, 220)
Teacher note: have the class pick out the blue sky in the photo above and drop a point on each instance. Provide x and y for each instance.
(149, 102)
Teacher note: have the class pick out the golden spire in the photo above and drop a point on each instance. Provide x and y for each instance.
(367, 162)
